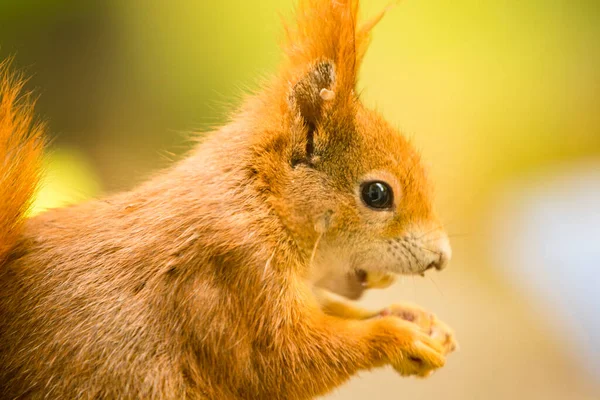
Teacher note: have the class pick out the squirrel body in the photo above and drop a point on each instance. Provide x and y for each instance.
(203, 282)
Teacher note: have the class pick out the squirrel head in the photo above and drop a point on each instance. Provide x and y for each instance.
(348, 187)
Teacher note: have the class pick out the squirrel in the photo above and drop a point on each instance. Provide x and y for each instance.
(226, 276)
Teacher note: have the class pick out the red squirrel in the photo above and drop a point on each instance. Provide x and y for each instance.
(213, 279)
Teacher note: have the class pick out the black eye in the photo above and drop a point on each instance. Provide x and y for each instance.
(377, 195)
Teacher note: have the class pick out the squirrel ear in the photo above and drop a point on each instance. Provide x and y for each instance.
(307, 100)
(311, 92)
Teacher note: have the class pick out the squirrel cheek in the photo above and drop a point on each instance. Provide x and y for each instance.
(323, 222)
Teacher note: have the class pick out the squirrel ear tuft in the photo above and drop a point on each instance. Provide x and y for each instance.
(307, 100)
(328, 30)
(312, 91)
(323, 50)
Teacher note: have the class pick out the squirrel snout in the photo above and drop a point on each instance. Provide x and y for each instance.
(442, 248)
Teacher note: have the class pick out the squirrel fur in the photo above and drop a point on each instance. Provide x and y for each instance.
(214, 279)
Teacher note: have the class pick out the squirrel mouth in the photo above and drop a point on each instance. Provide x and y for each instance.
(363, 277)
(374, 278)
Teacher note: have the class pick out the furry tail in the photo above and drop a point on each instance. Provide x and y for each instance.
(21, 147)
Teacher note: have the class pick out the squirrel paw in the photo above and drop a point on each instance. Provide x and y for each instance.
(421, 356)
(437, 330)
(375, 279)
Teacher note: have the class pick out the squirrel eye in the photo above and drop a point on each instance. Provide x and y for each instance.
(377, 195)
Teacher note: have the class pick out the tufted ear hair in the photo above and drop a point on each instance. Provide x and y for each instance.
(327, 30)
(323, 51)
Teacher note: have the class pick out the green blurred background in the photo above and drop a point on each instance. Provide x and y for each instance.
(493, 93)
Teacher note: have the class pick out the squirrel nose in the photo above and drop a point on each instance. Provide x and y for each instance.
(441, 246)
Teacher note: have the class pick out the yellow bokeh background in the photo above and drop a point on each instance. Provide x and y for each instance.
(492, 93)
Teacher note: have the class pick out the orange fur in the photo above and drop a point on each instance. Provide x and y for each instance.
(199, 283)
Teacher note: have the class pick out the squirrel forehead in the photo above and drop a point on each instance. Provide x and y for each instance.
(385, 146)
(367, 144)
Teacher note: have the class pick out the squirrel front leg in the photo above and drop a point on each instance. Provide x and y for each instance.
(334, 305)
(325, 351)
(390, 340)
